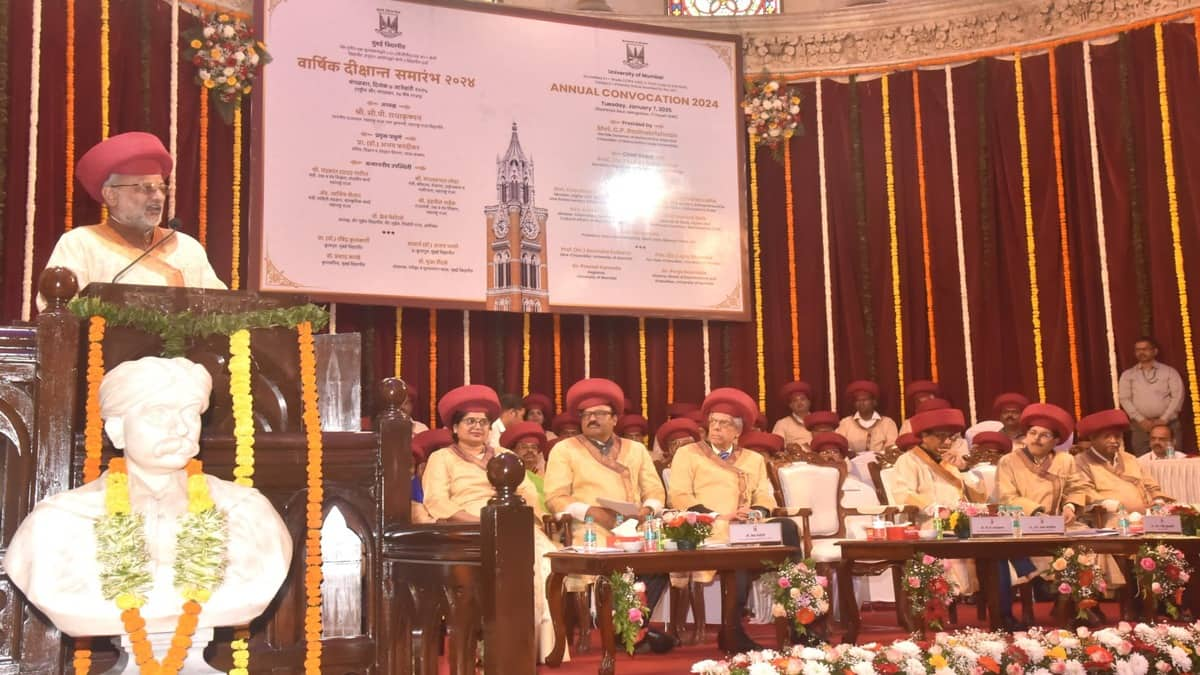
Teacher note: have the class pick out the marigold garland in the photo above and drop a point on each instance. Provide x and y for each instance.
(793, 313)
(587, 346)
(1101, 239)
(930, 316)
(93, 431)
(243, 407)
(756, 242)
(202, 209)
(105, 76)
(122, 553)
(466, 329)
(645, 398)
(670, 360)
(433, 365)
(707, 356)
(398, 344)
(1185, 316)
(235, 277)
(1064, 238)
(893, 238)
(315, 500)
(173, 107)
(960, 246)
(93, 439)
(526, 329)
(558, 381)
(825, 266)
(69, 122)
(1035, 315)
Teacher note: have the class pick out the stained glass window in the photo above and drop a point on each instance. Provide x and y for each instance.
(723, 7)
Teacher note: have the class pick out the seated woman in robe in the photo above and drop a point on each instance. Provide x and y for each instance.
(457, 488)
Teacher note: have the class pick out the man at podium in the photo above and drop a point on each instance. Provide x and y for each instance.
(127, 174)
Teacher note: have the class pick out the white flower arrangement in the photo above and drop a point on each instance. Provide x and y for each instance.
(772, 112)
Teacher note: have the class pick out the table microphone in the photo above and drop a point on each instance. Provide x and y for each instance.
(173, 224)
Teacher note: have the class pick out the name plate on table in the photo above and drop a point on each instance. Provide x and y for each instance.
(755, 533)
(1162, 525)
(996, 526)
(1043, 525)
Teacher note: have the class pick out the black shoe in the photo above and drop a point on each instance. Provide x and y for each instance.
(654, 641)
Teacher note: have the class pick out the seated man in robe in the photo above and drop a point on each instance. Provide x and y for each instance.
(633, 427)
(721, 476)
(151, 409)
(528, 441)
(598, 463)
(926, 478)
(918, 392)
(1008, 408)
(670, 437)
(1040, 480)
(1118, 477)
(866, 429)
(127, 174)
(798, 396)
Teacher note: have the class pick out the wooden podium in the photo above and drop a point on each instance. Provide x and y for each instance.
(482, 584)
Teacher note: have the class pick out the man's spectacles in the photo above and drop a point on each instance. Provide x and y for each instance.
(144, 188)
(721, 423)
(480, 422)
(597, 414)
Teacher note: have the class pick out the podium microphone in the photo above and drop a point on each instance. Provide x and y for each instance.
(173, 224)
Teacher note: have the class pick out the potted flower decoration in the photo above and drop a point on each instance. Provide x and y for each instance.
(629, 608)
(929, 590)
(1162, 573)
(688, 529)
(1189, 518)
(960, 518)
(799, 595)
(772, 112)
(1075, 573)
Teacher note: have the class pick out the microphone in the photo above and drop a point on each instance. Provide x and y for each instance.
(173, 224)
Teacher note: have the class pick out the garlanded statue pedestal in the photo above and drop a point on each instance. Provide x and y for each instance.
(154, 550)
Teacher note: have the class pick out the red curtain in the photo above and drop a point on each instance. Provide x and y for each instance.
(1140, 253)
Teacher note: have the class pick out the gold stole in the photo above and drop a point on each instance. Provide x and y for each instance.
(1044, 473)
(1092, 461)
(609, 461)
(113, 240)
(708, 451)
(482, 463)
(940, 470)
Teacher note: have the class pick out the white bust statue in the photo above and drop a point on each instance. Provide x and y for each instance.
(151, 408)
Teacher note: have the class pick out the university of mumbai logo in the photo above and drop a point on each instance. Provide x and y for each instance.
(389, 23)
(635, 54)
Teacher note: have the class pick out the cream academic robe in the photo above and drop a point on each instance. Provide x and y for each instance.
(920, 481)
(98, 253)
(700, 477)
(880, 436)
(792, 431)
(1045, 485)
(454, 481)
(1124, 480)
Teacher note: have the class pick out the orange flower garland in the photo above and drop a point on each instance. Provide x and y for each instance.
(93, 438)
(1030, 241)
(670, 360)
(69, 130)
(558, 382)
(202, 209)
(1185, 316)
(893, 237)
(925, 256)
(316, 499)
(235, 280)
(433, 358)
(117, 498)
(1055, 128)
(791, 245)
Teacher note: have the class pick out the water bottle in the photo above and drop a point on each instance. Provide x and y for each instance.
(589, 534)
(1016, 520)
(1122, 520)
(938, 526)
(658, 535)
(1170, 452)
(651, 543)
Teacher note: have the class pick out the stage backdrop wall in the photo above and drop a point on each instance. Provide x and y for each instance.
(891, 250)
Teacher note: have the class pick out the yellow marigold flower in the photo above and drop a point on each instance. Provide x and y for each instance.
(937, 661)
(199, 595)
(196, 44)
(209, 84)
(215, 53)
(1059, 564)
(231, 80)
(1057, 653)
(129, 601)
(223, 18)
